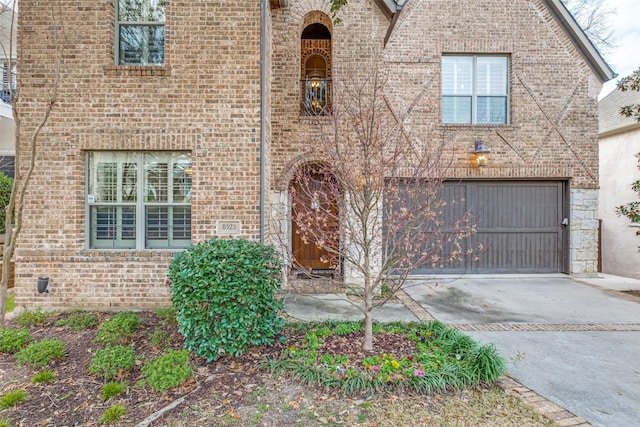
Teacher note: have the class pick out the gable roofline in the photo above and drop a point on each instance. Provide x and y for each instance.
(392, 9)
(610, 121)
(589, 52)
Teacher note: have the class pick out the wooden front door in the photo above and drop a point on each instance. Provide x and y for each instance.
(308, 253)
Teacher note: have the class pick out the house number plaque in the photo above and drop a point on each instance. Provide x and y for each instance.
(228, 227)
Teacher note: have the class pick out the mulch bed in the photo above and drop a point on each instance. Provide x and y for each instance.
(223, 386)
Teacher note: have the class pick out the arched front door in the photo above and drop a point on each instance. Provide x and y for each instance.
(314, 201)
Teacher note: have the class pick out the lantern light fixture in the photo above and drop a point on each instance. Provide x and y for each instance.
(481, 154)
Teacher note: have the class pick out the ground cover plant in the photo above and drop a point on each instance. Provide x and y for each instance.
(45, 376)
(237, 391)
(425, 358)
(13, 398)
(112, 361)
(41, 353)
(78, 321)
(118, 330)
(28, 318)
(13, 339)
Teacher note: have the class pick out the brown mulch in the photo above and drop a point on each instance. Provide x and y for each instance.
(230, 391)
(74, 398)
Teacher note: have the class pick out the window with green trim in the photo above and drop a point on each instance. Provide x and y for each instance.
(139, 200)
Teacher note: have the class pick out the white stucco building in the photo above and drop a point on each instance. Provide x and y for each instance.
(619, 145)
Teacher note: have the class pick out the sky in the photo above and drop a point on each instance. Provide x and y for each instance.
(626, 25)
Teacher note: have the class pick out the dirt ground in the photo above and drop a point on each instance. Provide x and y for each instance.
(233, 391)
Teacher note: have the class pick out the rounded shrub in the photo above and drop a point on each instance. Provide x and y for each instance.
(223, 292)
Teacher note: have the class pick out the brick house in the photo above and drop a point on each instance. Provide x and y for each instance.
(187, 121)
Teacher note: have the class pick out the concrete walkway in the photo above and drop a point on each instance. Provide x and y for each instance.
(573, 341)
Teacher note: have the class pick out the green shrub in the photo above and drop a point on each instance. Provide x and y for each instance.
(223, 293)
(45, 376)
(112, 389)
(29, 318)
(41, 353)
(78, 321)
(118, 329)
(12, 340)
(5, 423)
(12, 398)
(112, 361)
(113, 414)
(6, 185)
(168, 370)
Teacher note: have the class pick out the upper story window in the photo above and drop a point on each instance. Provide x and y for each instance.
(475, 89)
(315, 70)
(140, 32)
(139, 200)
(8, 81)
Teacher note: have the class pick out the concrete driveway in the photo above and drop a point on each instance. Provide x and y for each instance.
(575, 342)
(572, 341)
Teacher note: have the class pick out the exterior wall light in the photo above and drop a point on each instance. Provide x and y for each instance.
(315, 82)
(481, 154)
(43, 285)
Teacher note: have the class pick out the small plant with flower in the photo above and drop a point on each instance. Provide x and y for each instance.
(444, 358)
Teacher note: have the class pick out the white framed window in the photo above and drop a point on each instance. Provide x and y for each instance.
(140, 32)
(475, 89)
(139, 200)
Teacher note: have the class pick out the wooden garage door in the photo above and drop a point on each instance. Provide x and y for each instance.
(519, 225)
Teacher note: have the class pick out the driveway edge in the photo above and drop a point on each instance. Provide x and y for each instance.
(541, 404)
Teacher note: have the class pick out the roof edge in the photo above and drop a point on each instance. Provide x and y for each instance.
(619, 130)
(391, 9)
(595, 60)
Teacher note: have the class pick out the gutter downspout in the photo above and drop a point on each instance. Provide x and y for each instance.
(263, 101)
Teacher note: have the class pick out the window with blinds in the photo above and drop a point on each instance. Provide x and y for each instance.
(475, 89)
(139, 200)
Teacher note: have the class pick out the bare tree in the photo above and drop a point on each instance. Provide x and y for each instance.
(594, 16)
(374, 202)
(25, 158)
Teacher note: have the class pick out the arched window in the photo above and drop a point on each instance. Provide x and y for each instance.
(315, 70)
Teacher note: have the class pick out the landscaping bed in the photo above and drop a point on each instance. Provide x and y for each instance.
(233, 391)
